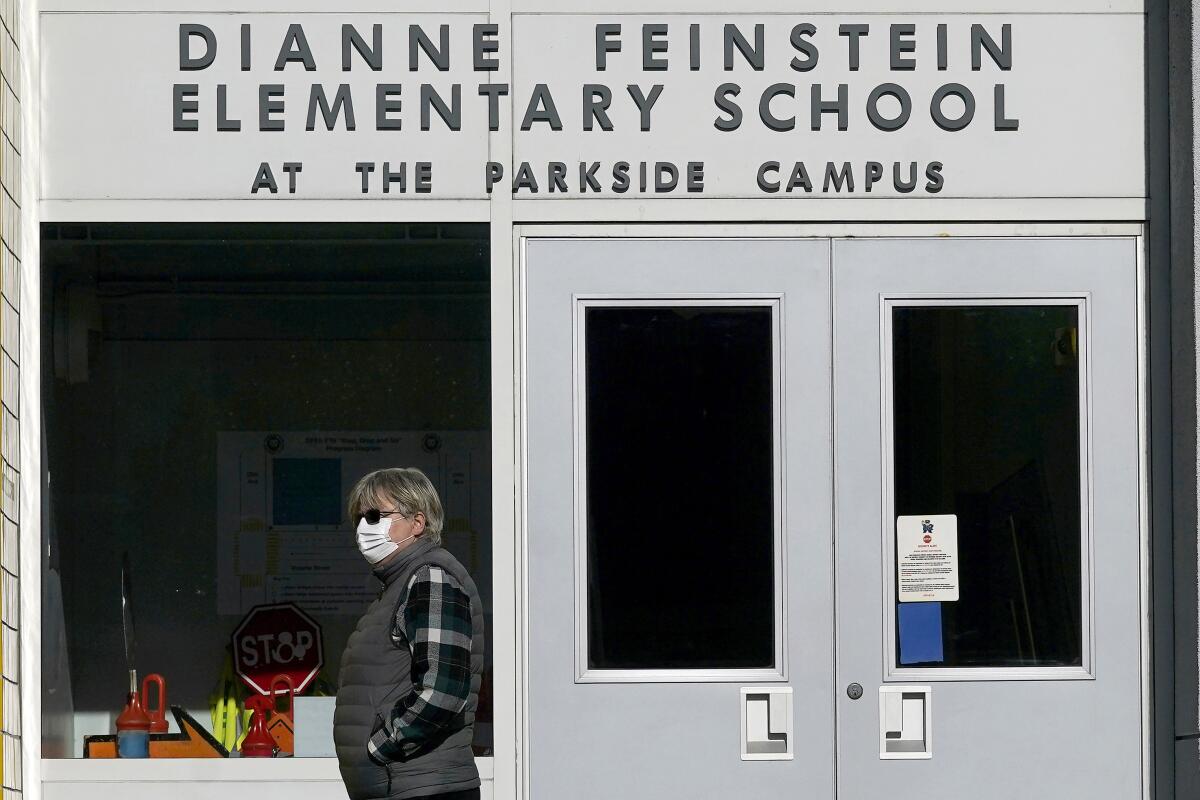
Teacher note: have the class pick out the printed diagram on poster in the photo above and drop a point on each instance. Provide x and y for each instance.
(927, 558)
(281, 495)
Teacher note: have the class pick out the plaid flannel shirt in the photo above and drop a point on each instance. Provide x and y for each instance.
(434, 620)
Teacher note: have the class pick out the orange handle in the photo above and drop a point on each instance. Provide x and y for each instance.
(284, 680)
(157, 713)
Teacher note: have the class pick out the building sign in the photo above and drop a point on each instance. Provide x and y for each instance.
(403, 105)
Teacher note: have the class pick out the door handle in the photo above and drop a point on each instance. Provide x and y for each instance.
(766, 721)
(905, 718)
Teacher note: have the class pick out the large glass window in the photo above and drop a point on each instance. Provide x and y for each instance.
(680, 487)
(987, 428)
(211, 392)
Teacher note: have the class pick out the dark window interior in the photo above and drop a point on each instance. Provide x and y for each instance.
(987, 427)
(680, 487)
(209, 386)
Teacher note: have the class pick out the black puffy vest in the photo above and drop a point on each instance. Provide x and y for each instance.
(375, 673)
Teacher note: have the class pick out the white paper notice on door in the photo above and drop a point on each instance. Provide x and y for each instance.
(927, 558)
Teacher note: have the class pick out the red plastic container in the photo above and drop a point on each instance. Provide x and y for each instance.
(258, 742)
(133, 729)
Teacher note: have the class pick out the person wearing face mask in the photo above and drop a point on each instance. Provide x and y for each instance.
(409, 681)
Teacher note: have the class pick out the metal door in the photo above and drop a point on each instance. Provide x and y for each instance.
(989, 389)
(677, 540)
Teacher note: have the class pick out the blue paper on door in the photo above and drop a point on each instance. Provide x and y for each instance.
(920, 632)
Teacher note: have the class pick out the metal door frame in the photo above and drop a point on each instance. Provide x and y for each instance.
(778, 672)
(1087, 578)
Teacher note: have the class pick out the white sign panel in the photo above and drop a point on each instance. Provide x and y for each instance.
(183, 106)
(343, 106)
(927, 558)
(838, 106)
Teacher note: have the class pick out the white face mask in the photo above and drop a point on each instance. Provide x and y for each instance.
(374, 542)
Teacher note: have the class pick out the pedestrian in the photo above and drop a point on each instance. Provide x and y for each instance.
(409, 680)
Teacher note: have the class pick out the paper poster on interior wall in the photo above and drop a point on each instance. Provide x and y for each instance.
(283, 534)
(927, 558)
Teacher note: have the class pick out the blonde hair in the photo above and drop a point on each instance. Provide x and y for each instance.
(407, 487)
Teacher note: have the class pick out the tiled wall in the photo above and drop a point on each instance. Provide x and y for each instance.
(10, 331)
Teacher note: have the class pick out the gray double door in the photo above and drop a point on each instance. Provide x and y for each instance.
(831, 518)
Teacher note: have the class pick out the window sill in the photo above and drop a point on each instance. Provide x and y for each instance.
(202, 770)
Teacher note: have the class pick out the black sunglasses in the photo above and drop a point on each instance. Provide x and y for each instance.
(372, 515)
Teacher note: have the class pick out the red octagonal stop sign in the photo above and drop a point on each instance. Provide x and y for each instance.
(277, 639)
